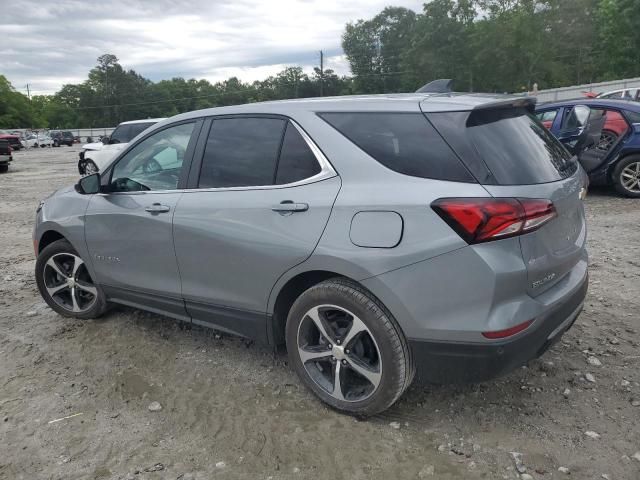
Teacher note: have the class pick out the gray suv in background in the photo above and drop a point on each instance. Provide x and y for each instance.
(376, 236)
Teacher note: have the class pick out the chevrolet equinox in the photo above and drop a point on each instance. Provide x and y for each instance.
(379, 237)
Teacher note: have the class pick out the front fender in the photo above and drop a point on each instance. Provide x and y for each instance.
(64, 213)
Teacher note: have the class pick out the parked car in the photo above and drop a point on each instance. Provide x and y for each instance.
(43, 140)
(378, 237)
(61, 138)
(5, 155)
(616, 158)
(95, 156)
(622, 94)
(29, 140)
(13, 139)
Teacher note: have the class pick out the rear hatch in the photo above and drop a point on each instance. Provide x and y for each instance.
(513, 155)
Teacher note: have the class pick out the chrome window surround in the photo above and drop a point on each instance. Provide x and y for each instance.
(326, 171)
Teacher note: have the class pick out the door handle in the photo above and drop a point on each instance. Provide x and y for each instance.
(288, 206)
(157, 208)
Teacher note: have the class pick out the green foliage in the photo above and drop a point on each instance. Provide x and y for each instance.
(112, 94)
(485, 45)
(14, 107)
(498, 45)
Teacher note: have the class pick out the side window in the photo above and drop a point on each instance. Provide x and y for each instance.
(297, 161)
(155, 163)
(547, 117)
(613, 95)
(120, 134)
(403, 142)
(577, 117)
(241, 152)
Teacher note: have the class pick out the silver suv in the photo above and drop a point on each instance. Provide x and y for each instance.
(377, 236)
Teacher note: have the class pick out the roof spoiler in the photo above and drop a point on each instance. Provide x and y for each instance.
(520, 102)
(443, 85)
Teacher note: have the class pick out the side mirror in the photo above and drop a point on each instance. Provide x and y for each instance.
(89, 185)
(105, 140)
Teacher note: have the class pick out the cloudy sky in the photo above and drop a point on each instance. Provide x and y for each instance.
(49, 43)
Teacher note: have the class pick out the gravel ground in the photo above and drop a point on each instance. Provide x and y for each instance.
(228, 409)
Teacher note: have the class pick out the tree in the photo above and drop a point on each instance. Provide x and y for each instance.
(374, 49)
(15, 110)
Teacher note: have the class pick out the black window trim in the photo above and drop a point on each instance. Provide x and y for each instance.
(326, 168)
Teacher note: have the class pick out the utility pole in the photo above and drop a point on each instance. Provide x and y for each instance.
(321, 73)
(30, 106)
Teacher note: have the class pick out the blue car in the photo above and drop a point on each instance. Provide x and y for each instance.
(614, 159)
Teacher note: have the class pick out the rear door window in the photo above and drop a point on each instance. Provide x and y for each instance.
(297, 161)
(403, 142)
(241, 152)
(513, 144)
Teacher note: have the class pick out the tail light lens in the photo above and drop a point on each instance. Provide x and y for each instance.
(479, 220)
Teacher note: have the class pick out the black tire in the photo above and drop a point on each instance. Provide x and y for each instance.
(89, 164)
(97, 308)
(398, 368)
(4, 168)
(618, 179)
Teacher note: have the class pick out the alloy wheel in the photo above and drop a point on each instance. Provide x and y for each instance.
(90, 168)
(68, 283)
(630, 177)
(339, 353)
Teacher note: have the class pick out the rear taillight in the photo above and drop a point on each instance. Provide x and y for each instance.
(10, 149)
(479, 220)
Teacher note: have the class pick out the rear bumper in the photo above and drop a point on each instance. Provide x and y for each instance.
(455, 362)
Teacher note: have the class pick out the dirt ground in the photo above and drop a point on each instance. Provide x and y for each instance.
(232, 410)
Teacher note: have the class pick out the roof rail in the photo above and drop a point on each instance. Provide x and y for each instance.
(443, 85)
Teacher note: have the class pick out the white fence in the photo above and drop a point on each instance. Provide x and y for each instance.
(576, 91)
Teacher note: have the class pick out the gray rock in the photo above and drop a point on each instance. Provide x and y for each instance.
(636, 456)
(154, 407)
(526, 476)
(566, 393)
(517, 461)
(395, 425)
(594, 361)
(635, 403)
(592, 434)
(427, 471)
(590, 378)
(31, 313)
(564, 470)
(220, 465)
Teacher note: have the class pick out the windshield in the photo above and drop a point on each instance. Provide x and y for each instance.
(124, 133)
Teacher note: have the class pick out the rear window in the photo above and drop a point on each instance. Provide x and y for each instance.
(512, 143)
(404, 142)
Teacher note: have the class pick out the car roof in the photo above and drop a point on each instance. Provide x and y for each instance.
(595, 102)
(400, 102)
(146, 120)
